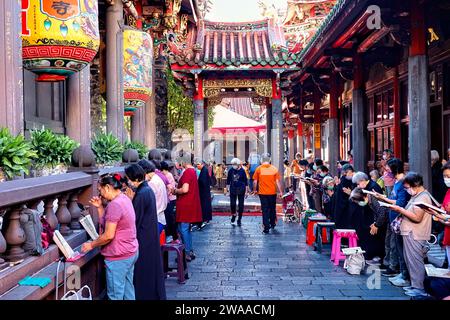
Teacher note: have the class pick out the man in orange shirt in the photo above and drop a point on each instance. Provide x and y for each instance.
(267, 179)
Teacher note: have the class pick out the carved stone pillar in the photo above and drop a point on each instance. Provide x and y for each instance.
(163, 136)
(75, 211)
(50, 213)
(63, 215)
(15, 237)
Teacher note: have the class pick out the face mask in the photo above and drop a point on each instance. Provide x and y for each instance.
(447, 182)
(362, 203)
(235, 167)
(330, 188)
(411, 192)
(315, 168)
(384, 157)
(309, 171)
(348, 177)
(322, 175)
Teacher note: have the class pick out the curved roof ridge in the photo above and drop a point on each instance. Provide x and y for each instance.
(236, 23)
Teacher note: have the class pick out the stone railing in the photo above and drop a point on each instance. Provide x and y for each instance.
(61, 200)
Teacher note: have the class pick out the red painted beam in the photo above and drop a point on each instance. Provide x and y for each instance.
(397, 115)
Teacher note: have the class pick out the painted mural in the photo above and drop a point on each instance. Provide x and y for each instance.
(59, 37)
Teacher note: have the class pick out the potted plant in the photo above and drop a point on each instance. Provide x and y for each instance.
(139, 147)
(54, 151)
(107, 149)
(16, 155)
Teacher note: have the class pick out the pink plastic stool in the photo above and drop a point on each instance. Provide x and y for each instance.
(338, 234)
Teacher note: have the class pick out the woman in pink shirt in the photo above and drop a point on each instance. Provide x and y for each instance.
(117, 238)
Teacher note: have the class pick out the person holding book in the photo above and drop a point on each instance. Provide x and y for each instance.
(148, 271)
(370, 225)
(415, 228)
(118, 239)
(343, 209)
(394, 258)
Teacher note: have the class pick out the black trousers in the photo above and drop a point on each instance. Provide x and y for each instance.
(437, 287)
(268, 207)
(240, 198)
(171, 225)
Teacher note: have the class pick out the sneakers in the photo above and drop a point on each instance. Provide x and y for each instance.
(233, 218)
(272, 226)
(399, 276)
(415, 292)
(373, 262)
(389, 272)
(266, 230)
(239, 223)
(204, 224)
(400, 282)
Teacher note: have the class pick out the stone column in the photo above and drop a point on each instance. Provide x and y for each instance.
(359, 128)
(137, 126)
(268, 136)
(79, 106)
(317, 124)
(11, 75)
(300, 138)
(114, 86)
(418, 97)
(277, 130)
(149, 123)
(198, 127)
(333, 126)
(206, 139)
(291, 144)
(163, 139)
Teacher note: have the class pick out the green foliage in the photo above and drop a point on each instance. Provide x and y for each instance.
(139, 147)
(180, 110)
(15, 154)
(107, 148)
(51, 149)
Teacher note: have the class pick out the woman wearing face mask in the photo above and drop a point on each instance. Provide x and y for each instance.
(117, 237)
(328, 196)
(237, 185)
(148, 272)
(343, 209)
(371, 231)
(394, 242)
(416, 230)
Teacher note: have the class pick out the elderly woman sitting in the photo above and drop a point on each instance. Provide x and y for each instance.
(371, 231)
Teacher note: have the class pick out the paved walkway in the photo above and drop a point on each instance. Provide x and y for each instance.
(242, 263)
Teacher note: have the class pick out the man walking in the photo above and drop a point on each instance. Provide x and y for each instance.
(254, 160)
(266, 180)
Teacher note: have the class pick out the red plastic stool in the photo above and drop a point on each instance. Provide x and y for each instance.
(181, 270)
(338, 234)
(310, 236)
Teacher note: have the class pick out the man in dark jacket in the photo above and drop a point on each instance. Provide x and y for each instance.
(204, 187)
(343, 207)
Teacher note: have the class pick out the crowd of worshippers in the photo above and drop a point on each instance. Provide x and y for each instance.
(135, 207)
(396, 238)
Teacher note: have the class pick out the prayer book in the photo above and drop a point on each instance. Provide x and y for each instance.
(88, 225)
(385, 204)
(65, 248)
(427, 206)
(432, 271)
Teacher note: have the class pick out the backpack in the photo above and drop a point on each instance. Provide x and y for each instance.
(354, 261)
(31, 224)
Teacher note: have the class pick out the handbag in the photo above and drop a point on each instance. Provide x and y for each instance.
(396, 223)
(354, 262)
(78, 295)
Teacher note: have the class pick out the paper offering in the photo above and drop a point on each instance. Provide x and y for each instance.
(88, 225)
(432, 271)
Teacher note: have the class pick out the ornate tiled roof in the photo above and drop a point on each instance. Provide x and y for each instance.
(242, 106)
(259, 43)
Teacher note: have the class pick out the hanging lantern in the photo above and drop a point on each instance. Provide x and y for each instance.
(59, 37)
(137, 68)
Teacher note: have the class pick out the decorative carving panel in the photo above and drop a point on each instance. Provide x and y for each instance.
(212, 88)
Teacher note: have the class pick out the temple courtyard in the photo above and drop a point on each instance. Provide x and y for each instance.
(245, 264)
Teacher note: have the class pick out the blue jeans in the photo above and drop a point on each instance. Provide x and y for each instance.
(119, 278)
(186, 236)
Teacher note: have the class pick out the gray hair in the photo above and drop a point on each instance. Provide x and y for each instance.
(359, 176)
(327, 180)
(374, 173)
(434, 156)
(235, 161)
(265, 157)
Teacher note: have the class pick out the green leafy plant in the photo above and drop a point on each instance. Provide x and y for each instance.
(52, 149)
(139, 147)
(16, 154)
(107, 148)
